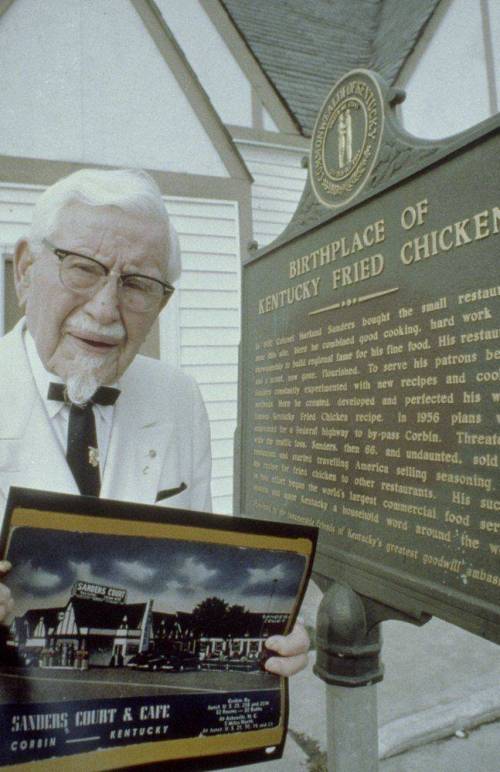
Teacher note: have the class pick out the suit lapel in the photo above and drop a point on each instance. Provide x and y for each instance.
(44, 464)
(30, 455)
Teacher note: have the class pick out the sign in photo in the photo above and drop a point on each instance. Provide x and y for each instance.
(140, 632)
(370, 358)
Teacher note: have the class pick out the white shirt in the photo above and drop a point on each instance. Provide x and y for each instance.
(58, 412)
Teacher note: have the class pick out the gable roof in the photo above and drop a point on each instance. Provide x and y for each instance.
(174, 56)
(95, 83)
(33, 616)
(305, 46)
(92, 613)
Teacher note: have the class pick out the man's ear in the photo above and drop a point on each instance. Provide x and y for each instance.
(23, 260)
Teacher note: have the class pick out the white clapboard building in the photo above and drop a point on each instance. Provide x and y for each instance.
(217, 99)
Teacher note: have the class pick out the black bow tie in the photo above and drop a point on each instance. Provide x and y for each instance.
(105, 395)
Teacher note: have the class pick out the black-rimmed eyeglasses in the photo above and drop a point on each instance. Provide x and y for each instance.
(85, 275)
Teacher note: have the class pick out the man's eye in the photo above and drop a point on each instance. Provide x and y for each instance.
(84, 267)
(139, 284)
(136, 284)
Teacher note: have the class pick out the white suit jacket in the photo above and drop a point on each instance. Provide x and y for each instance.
(160, 439)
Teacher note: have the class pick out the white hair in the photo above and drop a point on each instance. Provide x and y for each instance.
(131, 190)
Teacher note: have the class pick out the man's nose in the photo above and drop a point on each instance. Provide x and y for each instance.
(103, 306)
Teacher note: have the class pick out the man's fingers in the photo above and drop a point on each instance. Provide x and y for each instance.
(6, 606)
(297, 642)
(293, 650)
(5, 595)
(6, 602)
(5, 566)
(286, 666)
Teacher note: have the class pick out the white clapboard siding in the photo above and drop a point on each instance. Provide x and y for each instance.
(222, 468)
(218, 318)
(222, 429)
(208, 319)
(216, 298)
(223, 282)
(214, 373)
(279, 180)
(207, 261)
(222, 411)
(230, 338)
(210, 353)
(222, 449)
(16, 204)
(217, 392)
(207, 315)
(207, 243)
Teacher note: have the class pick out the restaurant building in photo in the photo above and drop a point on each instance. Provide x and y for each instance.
(98, 628)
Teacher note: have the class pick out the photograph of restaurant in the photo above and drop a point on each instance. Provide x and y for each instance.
(101, 600)
(98, 628)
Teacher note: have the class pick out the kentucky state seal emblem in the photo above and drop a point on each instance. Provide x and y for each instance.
(346, 138)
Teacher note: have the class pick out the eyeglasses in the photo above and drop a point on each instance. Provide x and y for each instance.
(86, 276)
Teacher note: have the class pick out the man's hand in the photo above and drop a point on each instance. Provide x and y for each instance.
(292, 649)
(6, 601)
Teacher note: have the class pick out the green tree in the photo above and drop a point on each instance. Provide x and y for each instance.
(214, 618)
(210, 618)
(237, 620)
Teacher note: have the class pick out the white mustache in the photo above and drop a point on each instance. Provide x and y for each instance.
(82, 324)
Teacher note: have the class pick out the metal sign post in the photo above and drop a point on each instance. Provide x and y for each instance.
(349, 643)
(352, 740)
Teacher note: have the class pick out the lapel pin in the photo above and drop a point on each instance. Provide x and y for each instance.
(93, 456)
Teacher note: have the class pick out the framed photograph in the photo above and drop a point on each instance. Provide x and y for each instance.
(139, 634)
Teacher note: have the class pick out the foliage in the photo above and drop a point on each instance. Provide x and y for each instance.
(214, 618)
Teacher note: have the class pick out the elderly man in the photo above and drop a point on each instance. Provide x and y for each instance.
(80, 411)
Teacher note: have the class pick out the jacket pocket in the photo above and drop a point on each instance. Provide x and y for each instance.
(167, 493)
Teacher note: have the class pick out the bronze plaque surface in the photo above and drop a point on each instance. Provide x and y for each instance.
(370, 402)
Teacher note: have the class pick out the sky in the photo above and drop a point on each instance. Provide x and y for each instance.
(176, 574)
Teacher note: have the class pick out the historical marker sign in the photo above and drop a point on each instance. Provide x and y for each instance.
(370, 357)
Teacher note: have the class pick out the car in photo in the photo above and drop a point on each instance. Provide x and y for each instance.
(170, 662)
